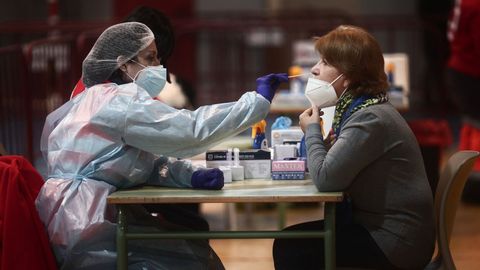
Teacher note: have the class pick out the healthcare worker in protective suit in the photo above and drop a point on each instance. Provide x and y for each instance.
(115, 135)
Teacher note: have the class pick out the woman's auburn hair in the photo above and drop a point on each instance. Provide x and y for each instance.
(356, 54)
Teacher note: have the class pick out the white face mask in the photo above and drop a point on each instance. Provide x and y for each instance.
(152, 79)
(321, 93)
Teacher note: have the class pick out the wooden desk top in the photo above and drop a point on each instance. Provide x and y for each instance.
(238, 191)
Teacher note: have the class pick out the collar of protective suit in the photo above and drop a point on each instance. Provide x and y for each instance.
(24, 240)
(80, 87)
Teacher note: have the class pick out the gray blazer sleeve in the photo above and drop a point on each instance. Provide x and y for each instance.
(359, 143)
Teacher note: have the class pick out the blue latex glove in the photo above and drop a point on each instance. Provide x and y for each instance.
(268, 84)
(207, 179)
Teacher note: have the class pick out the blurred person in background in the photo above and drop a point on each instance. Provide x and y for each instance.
(179, 94)
(463, 81)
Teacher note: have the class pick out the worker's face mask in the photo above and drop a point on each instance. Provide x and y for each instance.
(151, 78)
(321, 93)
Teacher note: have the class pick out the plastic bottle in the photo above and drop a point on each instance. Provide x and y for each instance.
(390, 78)
(258, 135)
(238, 172)
(395, 92)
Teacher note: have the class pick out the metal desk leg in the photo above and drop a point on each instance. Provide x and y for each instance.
(282, 209)
(122, 259)
(231, 211)
(248, 214)
(330, 256)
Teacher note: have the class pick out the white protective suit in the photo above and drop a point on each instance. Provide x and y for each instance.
(118, 137)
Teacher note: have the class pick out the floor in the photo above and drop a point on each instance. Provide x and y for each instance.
(257, 254)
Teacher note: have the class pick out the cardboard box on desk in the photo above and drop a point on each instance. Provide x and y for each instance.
(281, 135)
(288, 170)
(256, 162)
(284, 151)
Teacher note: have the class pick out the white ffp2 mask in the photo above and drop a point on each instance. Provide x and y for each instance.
(151, 78)
(321, 93)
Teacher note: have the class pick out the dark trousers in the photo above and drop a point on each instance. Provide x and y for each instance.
(465, 91)
(354, 248)
(186, 215)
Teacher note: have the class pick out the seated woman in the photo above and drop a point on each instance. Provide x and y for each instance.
(115, 135)
(386, 222)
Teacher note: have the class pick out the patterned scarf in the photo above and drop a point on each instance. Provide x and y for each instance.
(348, 104)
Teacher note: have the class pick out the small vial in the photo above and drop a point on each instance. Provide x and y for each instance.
(238, 172)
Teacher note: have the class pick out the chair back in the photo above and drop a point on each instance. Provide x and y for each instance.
(24, 241)
(447, 197)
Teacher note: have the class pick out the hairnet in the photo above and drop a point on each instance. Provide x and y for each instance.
(115, 46)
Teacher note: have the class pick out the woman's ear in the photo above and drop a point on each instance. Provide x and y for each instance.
(346, 83)
(121, 62)
(123, 68)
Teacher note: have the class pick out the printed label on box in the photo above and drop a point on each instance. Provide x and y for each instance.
(288, 166)
(288, 175)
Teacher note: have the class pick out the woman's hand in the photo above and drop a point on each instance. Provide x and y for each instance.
(310, 116)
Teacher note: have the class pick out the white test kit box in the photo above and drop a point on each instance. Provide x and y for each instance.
(284, 151)
(278, 136)
(256, 162)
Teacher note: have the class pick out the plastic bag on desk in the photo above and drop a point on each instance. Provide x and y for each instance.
(282, 122)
